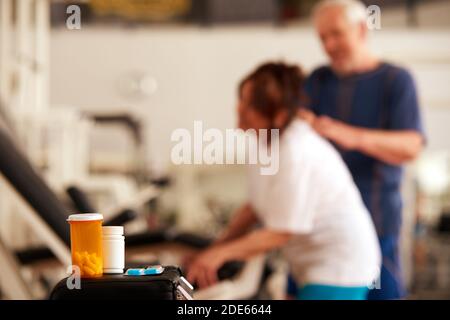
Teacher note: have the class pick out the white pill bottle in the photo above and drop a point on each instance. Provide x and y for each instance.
(113, 250)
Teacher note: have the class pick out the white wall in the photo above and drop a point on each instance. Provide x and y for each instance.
(197, 70)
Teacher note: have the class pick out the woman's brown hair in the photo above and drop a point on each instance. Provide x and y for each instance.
(276, 86)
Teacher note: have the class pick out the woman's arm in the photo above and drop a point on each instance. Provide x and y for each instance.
(242, 221)
(253, 243)
(203, 270)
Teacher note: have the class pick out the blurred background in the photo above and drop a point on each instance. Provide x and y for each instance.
(95, 107)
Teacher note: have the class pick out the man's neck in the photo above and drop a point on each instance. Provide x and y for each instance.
(365, 63)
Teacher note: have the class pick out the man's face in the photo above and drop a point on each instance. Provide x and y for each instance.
(341, 39)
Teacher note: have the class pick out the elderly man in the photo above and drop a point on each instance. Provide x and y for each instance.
(368, 109)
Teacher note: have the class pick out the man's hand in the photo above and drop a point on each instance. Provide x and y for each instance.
(334, 130)
(307, 115)
(340, 133)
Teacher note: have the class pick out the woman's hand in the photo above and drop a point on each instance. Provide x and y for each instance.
(203, 269)
(187, 259)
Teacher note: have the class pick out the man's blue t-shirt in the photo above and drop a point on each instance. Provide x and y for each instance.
(386, 99)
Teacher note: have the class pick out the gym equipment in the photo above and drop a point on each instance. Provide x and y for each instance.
(48, 217)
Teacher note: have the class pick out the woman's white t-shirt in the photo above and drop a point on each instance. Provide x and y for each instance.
(314, 197)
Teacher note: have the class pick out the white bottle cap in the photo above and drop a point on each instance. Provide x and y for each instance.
(112, 230)
(85, 217)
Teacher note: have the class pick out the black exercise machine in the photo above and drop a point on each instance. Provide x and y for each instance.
(50, 214)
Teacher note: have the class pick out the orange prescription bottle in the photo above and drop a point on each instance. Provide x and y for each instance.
(86, 243)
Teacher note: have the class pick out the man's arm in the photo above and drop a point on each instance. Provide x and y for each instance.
(393, 147)
(403, 140)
